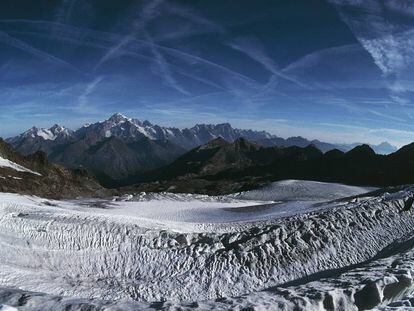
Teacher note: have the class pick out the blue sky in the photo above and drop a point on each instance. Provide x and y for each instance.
(337, 70)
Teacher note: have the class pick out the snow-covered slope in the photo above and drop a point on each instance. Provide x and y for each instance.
(9, 164)
(199, 213)
(381, 284)
(299, 190)
(119, 250)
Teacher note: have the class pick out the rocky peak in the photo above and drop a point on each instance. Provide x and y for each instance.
(57, 128)
(147, 123)
(215, 143)
(361, 150)
(243, 144)
(33, 130)
(118, 118)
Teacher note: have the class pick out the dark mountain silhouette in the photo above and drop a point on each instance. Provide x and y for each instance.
(221, 167)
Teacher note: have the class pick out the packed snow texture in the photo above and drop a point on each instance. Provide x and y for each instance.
(119, 250)
(298, 190)
(383, 284)
(15, 166)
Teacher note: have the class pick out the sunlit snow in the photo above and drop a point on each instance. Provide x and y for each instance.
(16, 167)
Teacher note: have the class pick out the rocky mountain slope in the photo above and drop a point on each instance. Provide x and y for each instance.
(210, 168)
(120, 146)
(36, 175)
(222, 167)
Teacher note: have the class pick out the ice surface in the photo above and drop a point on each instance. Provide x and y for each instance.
(16, 167)
(299, 190)
(138, 249)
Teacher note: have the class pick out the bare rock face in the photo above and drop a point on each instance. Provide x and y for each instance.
(220, 167)
(36, 175)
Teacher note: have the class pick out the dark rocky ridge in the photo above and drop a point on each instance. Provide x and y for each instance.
(220, 167)
(55, 181)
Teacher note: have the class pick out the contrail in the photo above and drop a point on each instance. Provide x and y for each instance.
(258, 54)
(104, 40)
(21, 45)
(65, 11)
(82, 100)
(195, 18)
(138, 25)
(109, 38)
(132, 54)
(165, 70)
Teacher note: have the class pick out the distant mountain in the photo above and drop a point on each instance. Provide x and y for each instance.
(221, 167)
(111, 149)
(382, 148)
(219, 155)
(128, 130)
(35, 175)
(39, 139)
(299, 141)
(210, 167)
(211, 158)
(120, 146)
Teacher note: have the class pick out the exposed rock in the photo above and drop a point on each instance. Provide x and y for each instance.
(44, 178)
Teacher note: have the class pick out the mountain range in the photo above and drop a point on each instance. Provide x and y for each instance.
(119, 147)
(221, 167)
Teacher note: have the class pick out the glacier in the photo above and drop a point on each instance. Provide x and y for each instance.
(294, 244)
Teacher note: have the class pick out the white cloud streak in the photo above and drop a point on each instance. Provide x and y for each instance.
(139, 27)
(389, 41)
(106, 41)
(83, 103)
(254, 49)
(23, 46)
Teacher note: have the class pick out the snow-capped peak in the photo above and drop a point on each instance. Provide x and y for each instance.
(118, 118)
(47, 134)
(57, 129)
(39, 132)
(147, 123)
